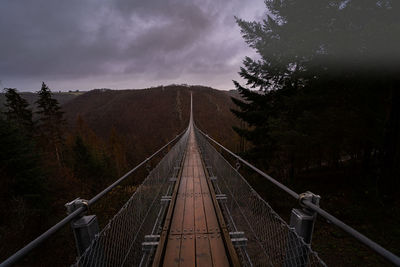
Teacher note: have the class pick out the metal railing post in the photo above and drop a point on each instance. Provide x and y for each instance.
(302, 222)
(85, 227)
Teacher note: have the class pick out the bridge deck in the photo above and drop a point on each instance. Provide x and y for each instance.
(194, 237)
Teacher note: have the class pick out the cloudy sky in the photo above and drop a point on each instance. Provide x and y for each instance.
(85, 44)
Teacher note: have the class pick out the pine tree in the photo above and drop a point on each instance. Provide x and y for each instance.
(17, 110)
(325, 75)
(20, 172)
(117, 151)
(94, 167)
(51, 122)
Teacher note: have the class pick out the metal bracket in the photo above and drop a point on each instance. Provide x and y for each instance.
(302, 220)
(221, 197)
(238, 239)
(166, 199)
(76, 204)
(85, 227)
(173, 179)
(302, 223)
(237, 165)
(150, 242)
(313, 198)
(213, 178)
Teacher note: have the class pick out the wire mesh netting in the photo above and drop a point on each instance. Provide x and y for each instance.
(270, 241)
(120, 241)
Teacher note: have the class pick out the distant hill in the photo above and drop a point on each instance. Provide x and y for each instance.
(62, 97)
(147, 118)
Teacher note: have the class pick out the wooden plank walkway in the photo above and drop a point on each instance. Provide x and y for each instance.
(194, 236)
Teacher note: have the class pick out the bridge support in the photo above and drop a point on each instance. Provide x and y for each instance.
(150, 242)
(85, 228)
(238, 239)
(302, 222)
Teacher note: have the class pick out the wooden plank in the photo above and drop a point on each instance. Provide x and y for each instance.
(211, 217)
(182, 187)
(196, 182)
(185, 170)
(177, 217)
(188, 215)
(218, 252)
(200, 224)
(172, 252)
(189, 184)
(203, 181)
(203, 253)
(187, 254)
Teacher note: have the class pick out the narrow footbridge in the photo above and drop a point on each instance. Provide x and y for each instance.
(196, 209)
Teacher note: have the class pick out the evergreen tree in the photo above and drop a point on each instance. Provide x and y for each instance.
(17, 110)
(94, 168)
(117, 151)
(20, 172)
(325, 74)
(51, 122)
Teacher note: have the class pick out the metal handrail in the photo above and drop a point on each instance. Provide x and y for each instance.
(394, 259)
(40, 239)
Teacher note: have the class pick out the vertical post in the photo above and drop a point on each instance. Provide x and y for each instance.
(84, 227)
(302, 222)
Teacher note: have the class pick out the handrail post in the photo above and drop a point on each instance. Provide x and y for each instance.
(85, 227)
(302, 222)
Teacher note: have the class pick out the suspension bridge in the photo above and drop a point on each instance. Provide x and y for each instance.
(195, 209)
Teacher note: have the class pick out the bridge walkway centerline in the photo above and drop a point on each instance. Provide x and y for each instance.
(194, 235)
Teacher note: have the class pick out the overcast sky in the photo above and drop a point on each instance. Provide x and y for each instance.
(86, 44)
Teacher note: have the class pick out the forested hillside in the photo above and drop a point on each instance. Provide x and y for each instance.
(61, 97)
(146, 119)
(54, 153)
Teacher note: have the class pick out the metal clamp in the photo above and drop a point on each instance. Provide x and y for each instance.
(238, 239)
(166, 199)
(313, 198)
(237, 165)
(150, 242)
(76, 204)
(221, 197)
(302, 220)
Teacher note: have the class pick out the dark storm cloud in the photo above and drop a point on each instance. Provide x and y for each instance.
(124, 43)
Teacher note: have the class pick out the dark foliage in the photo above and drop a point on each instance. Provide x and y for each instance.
(94, 168)
(17, 110)
(51, 122)
(21, 173)
(328, 75)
